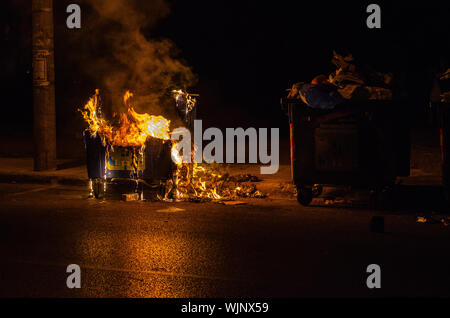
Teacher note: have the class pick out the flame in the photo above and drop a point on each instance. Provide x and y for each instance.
(132, 129)
(193, 181)
(149, 125)
(189, 100)
(95, 124)
(126, 97)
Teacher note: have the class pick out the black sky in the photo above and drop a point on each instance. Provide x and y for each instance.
(245, 53)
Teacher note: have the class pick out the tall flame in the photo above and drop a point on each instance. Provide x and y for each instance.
(132, 129)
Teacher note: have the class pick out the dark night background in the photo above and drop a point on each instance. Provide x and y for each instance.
(245, 53)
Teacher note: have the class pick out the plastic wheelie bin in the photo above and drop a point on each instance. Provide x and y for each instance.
(360, 144)
(124, 164)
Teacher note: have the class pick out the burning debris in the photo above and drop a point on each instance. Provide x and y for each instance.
(137, 148)
(200, 182)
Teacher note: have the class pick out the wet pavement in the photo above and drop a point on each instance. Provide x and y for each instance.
(267, 247)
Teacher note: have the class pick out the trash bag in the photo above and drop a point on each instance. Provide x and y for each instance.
(320, 96)
(348, 72)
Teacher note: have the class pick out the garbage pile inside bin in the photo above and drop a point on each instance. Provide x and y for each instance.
(130, 133)
(347, 82)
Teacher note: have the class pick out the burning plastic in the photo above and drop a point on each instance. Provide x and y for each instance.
(185, 102)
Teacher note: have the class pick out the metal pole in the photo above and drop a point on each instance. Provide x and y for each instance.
(43, 86)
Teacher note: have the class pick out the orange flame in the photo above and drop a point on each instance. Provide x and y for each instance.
(132, 129)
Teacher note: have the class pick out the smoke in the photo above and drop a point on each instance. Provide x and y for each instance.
(121, 55)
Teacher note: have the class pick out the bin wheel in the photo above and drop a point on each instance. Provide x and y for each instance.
(304, 195)
(317, 190)
(98, 188)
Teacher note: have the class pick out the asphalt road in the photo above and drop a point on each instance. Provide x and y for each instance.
(268, 248)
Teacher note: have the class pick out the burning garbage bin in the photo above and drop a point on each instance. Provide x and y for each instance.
(358, 143)
(132, 151)
(151, 166)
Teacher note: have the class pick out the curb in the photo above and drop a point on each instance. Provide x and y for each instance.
(41, 179)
